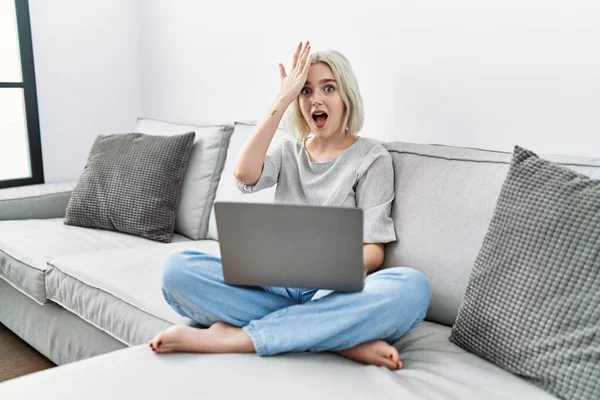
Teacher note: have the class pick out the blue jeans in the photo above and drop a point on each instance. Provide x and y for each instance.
(280, 320)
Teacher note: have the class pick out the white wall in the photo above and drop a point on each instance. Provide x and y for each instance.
(87, 67)
(487, 74)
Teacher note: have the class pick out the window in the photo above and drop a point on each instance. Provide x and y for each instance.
(20, 147)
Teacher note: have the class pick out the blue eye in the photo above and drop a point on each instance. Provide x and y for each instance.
(329, 86)
(305, 91)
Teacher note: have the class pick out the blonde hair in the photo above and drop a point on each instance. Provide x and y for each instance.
(353, 117)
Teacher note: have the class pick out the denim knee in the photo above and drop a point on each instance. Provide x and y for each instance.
(421, 287)
(172, 270)
(415, 286)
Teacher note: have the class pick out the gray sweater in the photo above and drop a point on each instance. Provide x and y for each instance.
(361, 176)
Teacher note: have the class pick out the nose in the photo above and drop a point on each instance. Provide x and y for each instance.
(315, 99)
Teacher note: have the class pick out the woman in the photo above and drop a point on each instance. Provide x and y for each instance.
(334, 167)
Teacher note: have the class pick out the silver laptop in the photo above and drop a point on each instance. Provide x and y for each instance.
(297, 246)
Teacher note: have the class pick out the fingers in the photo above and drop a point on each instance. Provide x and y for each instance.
(306, 59)
(307, 65)
(281, 71)
(301, 63)
(305, 53)
(296, 55)
(300, 55)
(304, 62)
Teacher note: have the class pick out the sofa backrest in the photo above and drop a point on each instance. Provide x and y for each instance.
(444, 200)
(227, 189)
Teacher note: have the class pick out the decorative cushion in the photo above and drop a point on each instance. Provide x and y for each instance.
(131, 183)
(203, 173)
(532, 304)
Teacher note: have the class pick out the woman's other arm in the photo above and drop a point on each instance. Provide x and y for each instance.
(373, 254)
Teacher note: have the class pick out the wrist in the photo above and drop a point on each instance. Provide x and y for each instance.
(283, 101)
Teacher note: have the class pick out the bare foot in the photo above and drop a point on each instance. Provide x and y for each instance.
(377, 352)
(219, 338)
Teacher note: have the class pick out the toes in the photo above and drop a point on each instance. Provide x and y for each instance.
(395, 357)
(394, 354)
(155, 343)
(393, 365)
(388, 351)
(389, 364)
(392, 357)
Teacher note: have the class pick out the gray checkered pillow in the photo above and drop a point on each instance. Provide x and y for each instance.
(132, 184)
(532, 305)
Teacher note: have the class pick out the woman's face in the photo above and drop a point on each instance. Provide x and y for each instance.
(320, 102)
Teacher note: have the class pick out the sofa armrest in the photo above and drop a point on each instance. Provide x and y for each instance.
(46, 200)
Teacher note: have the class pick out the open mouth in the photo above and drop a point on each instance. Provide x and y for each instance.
(320, 118)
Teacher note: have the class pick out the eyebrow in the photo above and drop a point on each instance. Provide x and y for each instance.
(322, 81)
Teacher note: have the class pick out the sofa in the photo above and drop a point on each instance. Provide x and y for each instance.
(90, 299)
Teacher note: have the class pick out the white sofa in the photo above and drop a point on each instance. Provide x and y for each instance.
(91, 298)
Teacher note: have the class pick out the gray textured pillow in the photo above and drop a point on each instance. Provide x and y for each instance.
(132, 183)
(203, 174)
(532, 305)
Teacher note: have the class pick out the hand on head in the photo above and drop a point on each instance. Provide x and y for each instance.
(293, 81)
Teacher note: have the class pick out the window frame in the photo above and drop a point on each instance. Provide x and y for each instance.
(30, 96)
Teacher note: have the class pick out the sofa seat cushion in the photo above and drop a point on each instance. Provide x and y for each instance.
(119, 291)
(434, 369)
(27, 245)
